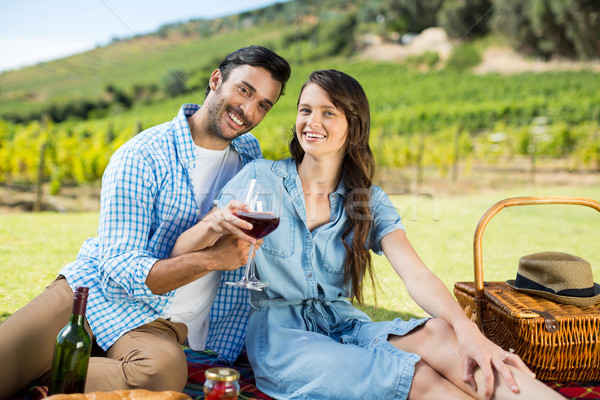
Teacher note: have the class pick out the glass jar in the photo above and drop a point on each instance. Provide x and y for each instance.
(221, 384)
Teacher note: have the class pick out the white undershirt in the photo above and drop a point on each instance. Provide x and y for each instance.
(191, 303)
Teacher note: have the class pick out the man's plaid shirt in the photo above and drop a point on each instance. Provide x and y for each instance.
(147, 201)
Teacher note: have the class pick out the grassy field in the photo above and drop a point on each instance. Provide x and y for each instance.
(442, 229)
(33, 247)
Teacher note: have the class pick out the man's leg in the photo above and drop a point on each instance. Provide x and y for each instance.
(27, 337)
(149, 357)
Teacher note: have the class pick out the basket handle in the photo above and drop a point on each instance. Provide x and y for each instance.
(495, 209)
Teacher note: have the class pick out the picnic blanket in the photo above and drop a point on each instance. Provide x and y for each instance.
(200, 361)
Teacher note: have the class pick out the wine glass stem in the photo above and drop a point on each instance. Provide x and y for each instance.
(249, 270)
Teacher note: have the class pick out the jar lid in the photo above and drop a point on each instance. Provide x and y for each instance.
(222, 374)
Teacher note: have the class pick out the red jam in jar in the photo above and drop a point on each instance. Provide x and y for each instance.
(221, 384)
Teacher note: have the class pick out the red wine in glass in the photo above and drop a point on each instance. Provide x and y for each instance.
(263, 210)
(262, 223)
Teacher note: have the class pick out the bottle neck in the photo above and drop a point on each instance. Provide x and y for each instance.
(79, 306)
(79, 302)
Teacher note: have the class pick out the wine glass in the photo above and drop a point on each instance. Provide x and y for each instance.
(263, 212)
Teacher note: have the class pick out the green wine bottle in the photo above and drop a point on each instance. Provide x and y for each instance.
(72, 350)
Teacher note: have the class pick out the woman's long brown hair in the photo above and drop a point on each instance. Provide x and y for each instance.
(358, 168)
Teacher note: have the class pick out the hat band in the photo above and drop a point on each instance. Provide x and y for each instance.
(525, 283)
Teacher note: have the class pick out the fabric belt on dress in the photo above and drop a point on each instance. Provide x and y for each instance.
(319, 315)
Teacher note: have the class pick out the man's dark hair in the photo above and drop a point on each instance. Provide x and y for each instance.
(256, 56)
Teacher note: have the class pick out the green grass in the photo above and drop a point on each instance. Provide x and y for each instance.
(442, 231)
(33, 247)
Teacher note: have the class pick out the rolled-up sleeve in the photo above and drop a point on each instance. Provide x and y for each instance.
(386, 218)
(127, 218)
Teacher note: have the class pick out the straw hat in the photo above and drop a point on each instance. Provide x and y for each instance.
(557, 276)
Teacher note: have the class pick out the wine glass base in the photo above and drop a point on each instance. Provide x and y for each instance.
(252, 285)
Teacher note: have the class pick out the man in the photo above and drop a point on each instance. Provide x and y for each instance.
(156, 186)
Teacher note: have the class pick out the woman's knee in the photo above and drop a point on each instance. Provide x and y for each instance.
(439, 328)
(426, 337)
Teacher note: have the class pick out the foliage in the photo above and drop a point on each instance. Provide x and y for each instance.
(74, 83)
(465, 18)
(564, 28)
(427, 59)
(463, 57)
(337, 34)
(512, 20)
(411, 16)
(176, 59)
(95, 101)
(175, 83)
(434, 120)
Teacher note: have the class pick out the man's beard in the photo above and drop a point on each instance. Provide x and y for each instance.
(218, 111)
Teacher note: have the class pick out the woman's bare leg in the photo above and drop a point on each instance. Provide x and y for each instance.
(436, 343)
(429, 384)
(529, 388)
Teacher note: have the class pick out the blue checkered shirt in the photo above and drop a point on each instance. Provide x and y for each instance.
(147, 201)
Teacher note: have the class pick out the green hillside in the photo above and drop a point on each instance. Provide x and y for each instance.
(427, 111)
(124, 64)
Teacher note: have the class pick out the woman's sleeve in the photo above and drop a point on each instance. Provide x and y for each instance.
(234, 188)
(385, 218)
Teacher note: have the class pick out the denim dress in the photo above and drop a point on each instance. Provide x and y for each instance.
(305, 340)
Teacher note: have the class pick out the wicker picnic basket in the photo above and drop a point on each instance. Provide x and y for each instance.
(558, 342)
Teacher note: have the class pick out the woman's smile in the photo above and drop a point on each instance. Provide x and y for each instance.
(314, 136)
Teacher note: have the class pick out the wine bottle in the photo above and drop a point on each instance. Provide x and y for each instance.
(72, 350)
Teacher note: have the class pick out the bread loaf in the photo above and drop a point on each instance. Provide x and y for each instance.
(135, 394)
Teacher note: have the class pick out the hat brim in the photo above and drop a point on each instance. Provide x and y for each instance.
(575, 301)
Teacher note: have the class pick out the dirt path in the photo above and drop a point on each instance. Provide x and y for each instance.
(496, 59)
(21, 198)
(393, 180)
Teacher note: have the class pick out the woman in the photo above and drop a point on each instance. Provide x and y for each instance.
(305, 339)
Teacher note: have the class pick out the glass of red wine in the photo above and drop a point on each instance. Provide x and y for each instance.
(264, 205)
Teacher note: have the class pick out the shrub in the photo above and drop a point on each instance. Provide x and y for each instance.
(463, 57)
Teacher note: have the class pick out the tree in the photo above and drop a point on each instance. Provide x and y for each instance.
(411, 16)
(465, 18)
(175, 83)
(564, 28)
(580, 22)
(512, 19)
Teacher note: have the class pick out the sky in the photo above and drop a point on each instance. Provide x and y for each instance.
(32, 31)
